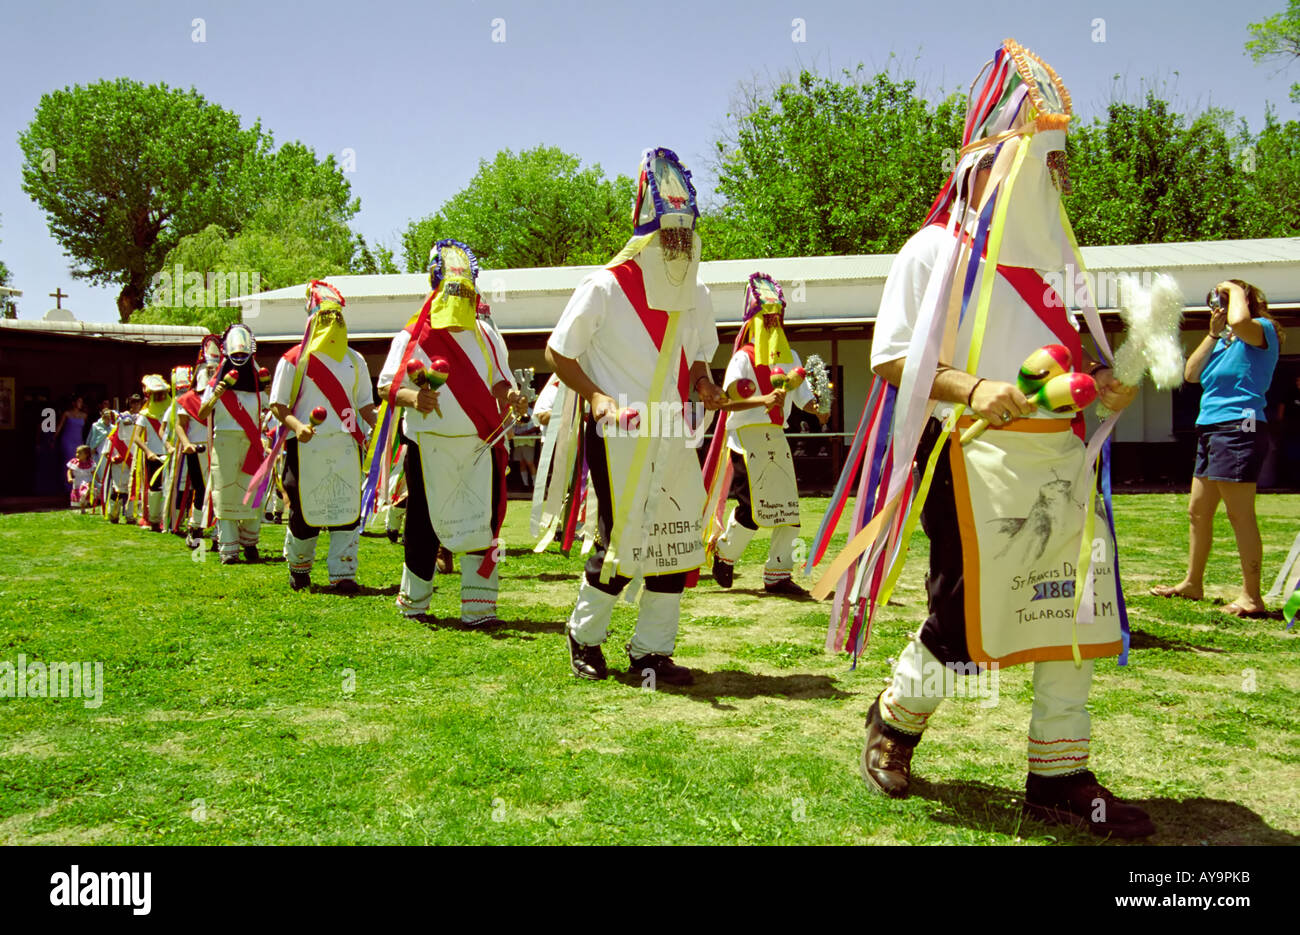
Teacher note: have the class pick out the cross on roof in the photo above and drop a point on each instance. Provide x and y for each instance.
(58, 295)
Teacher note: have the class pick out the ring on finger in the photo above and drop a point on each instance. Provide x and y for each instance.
(1006, 417)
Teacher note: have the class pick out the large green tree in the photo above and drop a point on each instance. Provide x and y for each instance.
(538, 207)
(819, 166)
(124, 170)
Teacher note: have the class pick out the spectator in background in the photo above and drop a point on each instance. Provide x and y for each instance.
(71, 431)
(80, 471)
(1234, 364)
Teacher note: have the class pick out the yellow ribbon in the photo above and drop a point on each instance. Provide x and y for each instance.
(668, 350)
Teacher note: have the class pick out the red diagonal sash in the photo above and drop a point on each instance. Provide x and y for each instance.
(475, 397)
(764, 374)
(320, 374)
(253, 459)
(464, 381)
(191, 403)
(1039, 295)
(632, 282)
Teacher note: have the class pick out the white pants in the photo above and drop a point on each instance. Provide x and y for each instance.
(780, 551)
(233, 534)
(478, 594)
(657, 619)
(1059, 724)
(342, 560)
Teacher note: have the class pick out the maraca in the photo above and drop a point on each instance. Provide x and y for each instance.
(263, 376)
(1065, 392)
(433, 377)
(230, 379)
(317, 416)
(795, 377)
(438, 372)
(1068, 392)
(1042, 365)
(779, 378)
(742, 389)
(629, 420)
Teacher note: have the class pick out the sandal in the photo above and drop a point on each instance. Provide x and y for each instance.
(1236, 610)
(1165, 590)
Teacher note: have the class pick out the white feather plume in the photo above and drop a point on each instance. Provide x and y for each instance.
(1153, 342)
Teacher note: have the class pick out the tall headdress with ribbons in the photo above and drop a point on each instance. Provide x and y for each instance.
(1017, 115)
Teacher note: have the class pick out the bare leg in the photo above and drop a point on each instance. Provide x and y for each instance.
(1239, 501)
(1200, 513)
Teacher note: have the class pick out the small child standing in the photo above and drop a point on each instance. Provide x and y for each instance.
(80, 472)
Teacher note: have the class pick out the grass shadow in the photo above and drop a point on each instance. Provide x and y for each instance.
(1140, 639)
(763, 592)
(728, 683)
(1199, 821)
(362, 590)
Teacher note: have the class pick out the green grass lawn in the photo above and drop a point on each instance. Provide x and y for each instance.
(237, 711)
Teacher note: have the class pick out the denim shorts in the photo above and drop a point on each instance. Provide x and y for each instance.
(1224, 451)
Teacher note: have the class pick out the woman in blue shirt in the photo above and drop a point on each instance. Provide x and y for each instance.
(1234, 364)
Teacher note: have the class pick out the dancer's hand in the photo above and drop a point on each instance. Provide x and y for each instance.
(603, 407)
(710, 394)
(775, 399)
(1113, 394)
(426, 401)
(515, 400)
(999, 403)
(305, 433)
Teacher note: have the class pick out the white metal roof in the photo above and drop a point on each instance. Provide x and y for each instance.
(146, 334)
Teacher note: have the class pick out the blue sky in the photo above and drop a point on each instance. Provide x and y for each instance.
(421, 92)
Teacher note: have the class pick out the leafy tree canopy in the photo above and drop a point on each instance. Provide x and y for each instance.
(125, 171)
(535, 208)
(1278, 36)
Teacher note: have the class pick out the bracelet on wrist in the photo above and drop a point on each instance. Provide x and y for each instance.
(1097, 368)
(971, 395)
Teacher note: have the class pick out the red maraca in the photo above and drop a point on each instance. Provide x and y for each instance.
(263, 376)
(230, 379)
(779, 378)
(434, 376)
(742, 389)
(1068, 392)
(1039, 368)
(795, 377)
(438, 372)
(629, 420)
(318, 416)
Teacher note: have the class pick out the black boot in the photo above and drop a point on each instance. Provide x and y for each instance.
(1080, 800)
(887, 756)
(724, 572)
(663, 667)
(587, 662)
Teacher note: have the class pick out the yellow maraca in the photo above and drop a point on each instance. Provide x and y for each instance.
(1039, 368)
